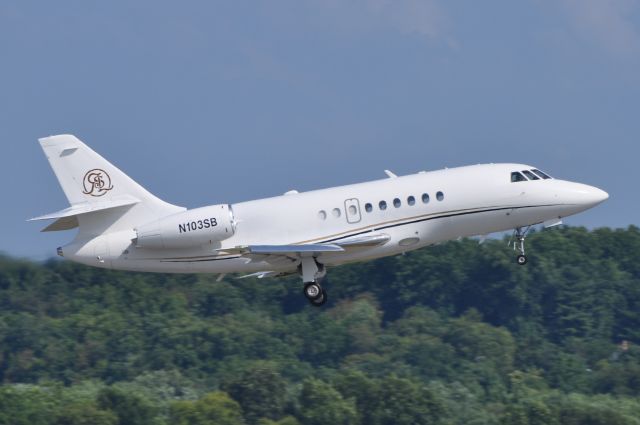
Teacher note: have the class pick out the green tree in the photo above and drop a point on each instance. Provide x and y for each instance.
(322, 404)
(25, 405)
(402, 402)
(287, 420)
(215, 408)
(261, 391)
(131, 409)
(85, 414)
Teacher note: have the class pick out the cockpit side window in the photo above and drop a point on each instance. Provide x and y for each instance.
(530, 175)
(517, 177)
(541, 174)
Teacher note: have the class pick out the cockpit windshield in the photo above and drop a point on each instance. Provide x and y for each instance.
(541, 174)
(517, 177)
(535, 174)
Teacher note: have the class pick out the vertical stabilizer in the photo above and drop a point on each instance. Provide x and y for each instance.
(106, 198)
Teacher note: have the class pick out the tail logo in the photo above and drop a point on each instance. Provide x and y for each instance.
(96, 182)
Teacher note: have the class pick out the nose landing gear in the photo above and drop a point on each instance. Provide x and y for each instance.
(518, 244)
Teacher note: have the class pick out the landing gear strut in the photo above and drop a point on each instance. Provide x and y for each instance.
(312, 272)
(518, 244)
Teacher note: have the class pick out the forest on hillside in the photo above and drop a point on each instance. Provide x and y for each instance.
(452, 334)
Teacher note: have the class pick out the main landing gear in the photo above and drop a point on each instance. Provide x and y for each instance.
(316, 295)
(311, 272)
(518, 244)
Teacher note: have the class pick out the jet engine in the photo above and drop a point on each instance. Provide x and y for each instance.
(197, 227)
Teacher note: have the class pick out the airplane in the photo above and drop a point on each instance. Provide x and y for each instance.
(123, 226)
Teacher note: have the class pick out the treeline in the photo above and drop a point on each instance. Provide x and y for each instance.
(453, 334)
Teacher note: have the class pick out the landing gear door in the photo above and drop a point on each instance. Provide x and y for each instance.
(352, 210)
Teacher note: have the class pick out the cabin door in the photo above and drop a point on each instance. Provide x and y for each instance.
(352, 210)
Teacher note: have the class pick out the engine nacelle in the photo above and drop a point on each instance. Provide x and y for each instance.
(200, 226)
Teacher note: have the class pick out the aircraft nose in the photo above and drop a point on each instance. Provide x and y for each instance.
(590, 196)
(599, 195)
(577, 197)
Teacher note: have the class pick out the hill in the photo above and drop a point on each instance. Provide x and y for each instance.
(452, 334)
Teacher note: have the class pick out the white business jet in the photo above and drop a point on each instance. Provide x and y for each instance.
(123, 226)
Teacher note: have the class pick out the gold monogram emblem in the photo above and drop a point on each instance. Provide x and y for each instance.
(96, 182)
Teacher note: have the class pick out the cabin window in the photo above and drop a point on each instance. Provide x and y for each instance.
(411, 200)
(322, 215)
(336, 212)
(541, 174)
(439, 196)
(352, 210)
(397, 203)
(517, 177)
(368, 207)
(382, 205)
(425, 198)
(530, 175)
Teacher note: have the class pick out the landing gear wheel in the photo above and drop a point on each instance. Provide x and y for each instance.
(311, 272)
(321, 300)
(521, 259)
(313, 291)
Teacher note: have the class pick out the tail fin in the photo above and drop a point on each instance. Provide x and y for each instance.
(102, 197)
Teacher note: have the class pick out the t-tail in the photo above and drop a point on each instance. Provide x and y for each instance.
(102, 198)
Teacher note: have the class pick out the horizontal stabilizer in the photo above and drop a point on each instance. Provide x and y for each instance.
(64, 223)
(67, 218)
(86, 207)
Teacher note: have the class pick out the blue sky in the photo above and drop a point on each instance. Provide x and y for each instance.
(207, 102)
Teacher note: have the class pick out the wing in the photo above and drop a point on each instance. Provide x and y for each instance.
(267, 273)
(313, 249)
(367, 240)
(293, 253)
(286, 254)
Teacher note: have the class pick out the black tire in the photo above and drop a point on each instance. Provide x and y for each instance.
(320, 301)
(312, 290)
(521, 260)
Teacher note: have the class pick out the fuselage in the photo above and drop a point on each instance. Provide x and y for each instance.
(413, 211)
